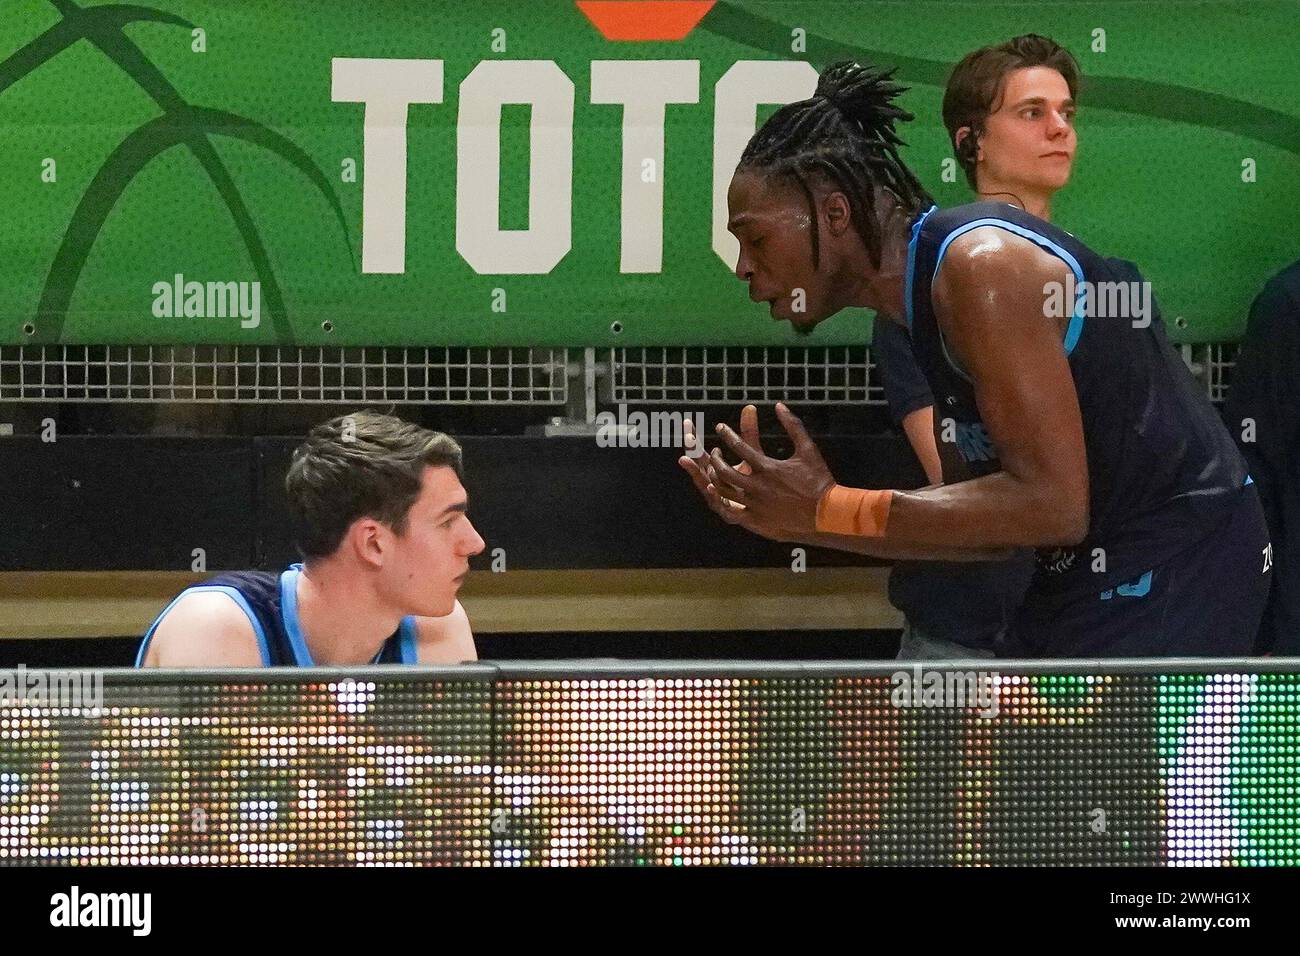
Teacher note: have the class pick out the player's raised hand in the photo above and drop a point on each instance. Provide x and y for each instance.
(698, 466)
(775, 493)
(703, 475)
(749, 430)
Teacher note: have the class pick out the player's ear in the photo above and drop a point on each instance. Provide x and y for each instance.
(368, 541)
(838, 212)
(966, 144)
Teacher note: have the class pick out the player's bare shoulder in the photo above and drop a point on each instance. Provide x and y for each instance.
(447, 639)
(990, 276)
(204, 629)
(990, 257)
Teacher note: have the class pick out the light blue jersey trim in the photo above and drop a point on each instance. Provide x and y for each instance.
(911, 265)
(230, 592)
(289, 612)
(1135, 589)
(1075, 329)
(1249, 481)
(298, 643)
(409, 642)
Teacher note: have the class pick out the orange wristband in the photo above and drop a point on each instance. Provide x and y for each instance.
(854, 511)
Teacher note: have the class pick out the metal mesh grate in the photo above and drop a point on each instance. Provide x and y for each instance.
(1221, 358)
(828, 375)
(230, 373)
(489, 376)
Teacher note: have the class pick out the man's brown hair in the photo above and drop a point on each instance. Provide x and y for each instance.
(976, 85)
(361, 465)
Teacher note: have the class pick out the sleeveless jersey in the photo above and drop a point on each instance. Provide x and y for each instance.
(271, 603)
(1162, 467)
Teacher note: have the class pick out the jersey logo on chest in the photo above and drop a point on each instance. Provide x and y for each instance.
(970, 438)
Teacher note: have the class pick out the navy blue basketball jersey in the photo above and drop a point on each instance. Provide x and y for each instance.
(271, 602)
(1162, 468)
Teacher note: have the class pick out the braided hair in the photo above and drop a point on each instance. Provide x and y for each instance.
(845, 134)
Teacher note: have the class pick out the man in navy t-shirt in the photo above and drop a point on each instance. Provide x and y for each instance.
(1263, 413)
(951, 609)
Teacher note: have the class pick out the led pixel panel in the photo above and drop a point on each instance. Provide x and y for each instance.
(340, 772)
(658, 766)
(688, 771)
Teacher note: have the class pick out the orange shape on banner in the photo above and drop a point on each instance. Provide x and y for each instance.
(645, 19)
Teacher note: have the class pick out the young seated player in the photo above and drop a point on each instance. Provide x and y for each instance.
(379, 517)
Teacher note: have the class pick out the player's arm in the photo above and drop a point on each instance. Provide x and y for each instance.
(204, 629)
(989, 301)
(918, 425)
(907, 393)
(704, 471)
(447, 639)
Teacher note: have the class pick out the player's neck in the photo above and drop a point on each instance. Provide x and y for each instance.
(343, 622)
(882, 289)
(1031, 201)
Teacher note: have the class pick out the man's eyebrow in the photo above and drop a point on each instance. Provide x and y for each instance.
(1040, 101)
(743, 219)
(461, 506)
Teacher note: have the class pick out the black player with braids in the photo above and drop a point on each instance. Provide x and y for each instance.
(1086, 436)
(845, 133)
(837, 153)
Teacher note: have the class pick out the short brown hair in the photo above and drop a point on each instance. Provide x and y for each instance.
(361, 465)
(976, 85)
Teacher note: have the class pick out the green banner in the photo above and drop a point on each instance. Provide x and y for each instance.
(536, 173)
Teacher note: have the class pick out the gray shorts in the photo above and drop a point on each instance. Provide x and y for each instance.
(917, 646)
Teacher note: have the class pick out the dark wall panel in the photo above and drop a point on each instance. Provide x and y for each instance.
(85, 503)
(144, 503)
(568, 503)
